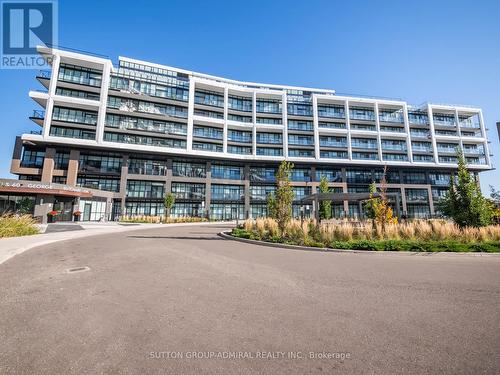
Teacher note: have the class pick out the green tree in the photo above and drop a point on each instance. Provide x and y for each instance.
(378, 208)
(325, 206)
(464, 202)
(271, 205)
(168, 202)
(284, 195)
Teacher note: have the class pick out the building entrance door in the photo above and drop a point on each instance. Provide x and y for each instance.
(65, 207)
(87, 209)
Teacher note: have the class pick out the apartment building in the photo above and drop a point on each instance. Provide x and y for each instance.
(137, 130)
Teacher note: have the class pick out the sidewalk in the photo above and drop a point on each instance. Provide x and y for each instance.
(10, 247)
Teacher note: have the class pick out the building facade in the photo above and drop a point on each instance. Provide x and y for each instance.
(140, 130)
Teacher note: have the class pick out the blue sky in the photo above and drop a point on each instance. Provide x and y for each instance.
(438, 51)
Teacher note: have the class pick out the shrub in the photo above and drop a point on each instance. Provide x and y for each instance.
(14, 226)
(418, 235)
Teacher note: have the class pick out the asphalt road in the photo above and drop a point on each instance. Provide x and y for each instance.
(154, 299)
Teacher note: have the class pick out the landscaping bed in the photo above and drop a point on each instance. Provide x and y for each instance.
(15, 226)
(419, 236)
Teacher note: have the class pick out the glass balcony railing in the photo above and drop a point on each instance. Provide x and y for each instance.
(44, 74)
(37, 113)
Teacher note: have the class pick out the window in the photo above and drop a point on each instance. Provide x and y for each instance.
(241, 150)
(414, 178)
(206, 132)
(61, 160)
(188, 191)
(135, 123)
(100, 164)
(393, 144)
(80, 75)
(418, 118)
(211, 114)
(331, 125)
(74, 115)
(239, 136)
(299, 153)
(227, 192)
(301, 175)
(262, 174)
(99, 183)
(269, 138)
(391, 116)
(265, 151)
(147, 167)
(394, 157)
(268, 106)
(333, 154)
(186, 169)
(269, 121)
(367, 143)
(359, 176)
(227, 172)
(144, 208)
(58, 131)
(209, 98)
(260, 192)
(227, 211)
(192, 209)
(300, 125)
(131, 105)
(302, 140)
(240, 103)
(332, 175)
(32, 159)
(136, 86)
(361, 113)
(77, 94)
(299, 109)
(144, 140)
(239, 118)
(365, 156)
(211, 147)
(145, 189)
(444, 119)
(332, 141)
(333, 111)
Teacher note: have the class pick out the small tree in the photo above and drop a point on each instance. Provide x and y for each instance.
(326, 206)
(378, 209)
(464, 202)
(168, 202)
(271, 205)
(284, 195)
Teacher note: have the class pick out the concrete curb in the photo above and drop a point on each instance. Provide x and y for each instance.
(228, 236)
(10, 247)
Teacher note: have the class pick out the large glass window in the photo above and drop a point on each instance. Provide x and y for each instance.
(270, 138)
(239, 118)
(131, 105)
(391, 116)
(32, 159)
(365, 155)
(239, 103)
(100, 164)
(109, 184)
(334, 111)
(145, 189)
(227, 211)
(268, 106)
(262, 174)
(300, 153)
(302, 140)
(240, 150)
(260, 192)
(188, 191)
(332, 175)
(74, 115)
(186, 169)
(359, 176)
(414, 177)
(211, 147)
(418, 118)
(134, 123)
(267, 151)
(297, 109)
(58, 131)
(144, 208)
(209, 98)
(444, 119)
(227, 192)
(367, 143)
(393, 144)
(239, 136)
(144, 140)
(148, 88)
(77, 93)
(80, 75)
(147, 167)
(300, 125)
(228, 172)
(207, 132)
(299, 174)
(332, 141)
(333, 154)
(61, 160)
(361, 113)
(192, 209)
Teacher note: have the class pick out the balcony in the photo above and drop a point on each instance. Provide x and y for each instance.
(38, 117)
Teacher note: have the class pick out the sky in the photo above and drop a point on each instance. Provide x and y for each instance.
(418, 51)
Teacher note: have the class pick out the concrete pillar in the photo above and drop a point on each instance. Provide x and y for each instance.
(48, 165)
(16, 155)
(123, 182)
(247, 191)
(431, 200)
(208, 189)
(74, 160)
(403, 200)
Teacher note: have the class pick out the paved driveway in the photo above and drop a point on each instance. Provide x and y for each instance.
(154, 299)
